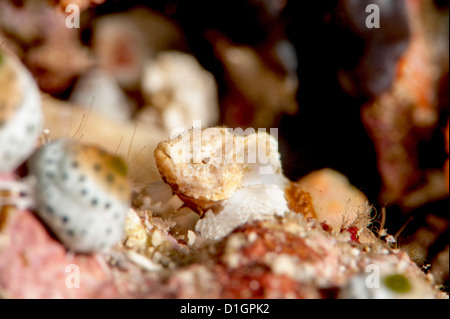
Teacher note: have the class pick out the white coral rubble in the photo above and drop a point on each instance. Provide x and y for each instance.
(182, 91)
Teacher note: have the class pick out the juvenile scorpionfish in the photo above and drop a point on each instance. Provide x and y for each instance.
(82, 193)
(21, 118)
(209, 165)
(227, 177)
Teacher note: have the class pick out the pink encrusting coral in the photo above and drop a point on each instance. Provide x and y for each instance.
(33, 264)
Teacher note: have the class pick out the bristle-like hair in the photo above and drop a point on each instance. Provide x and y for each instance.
(415, 252)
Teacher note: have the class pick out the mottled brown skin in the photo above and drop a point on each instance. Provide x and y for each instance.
(108, 171)
(198, 184)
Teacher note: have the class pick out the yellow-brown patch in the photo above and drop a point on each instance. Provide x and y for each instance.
(108, 171)
(10, 90)
(299, 200)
